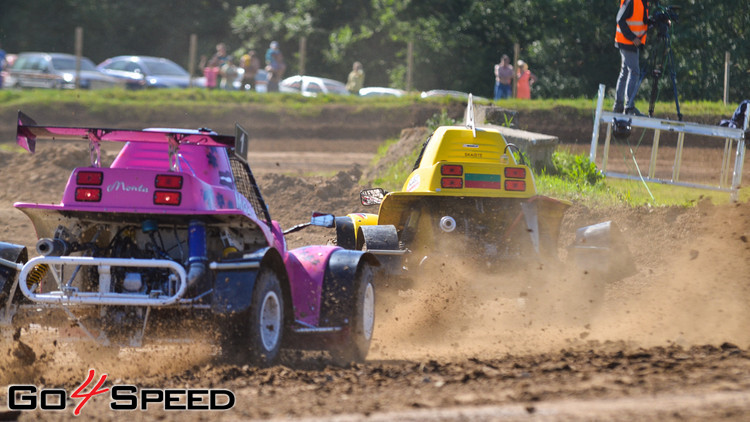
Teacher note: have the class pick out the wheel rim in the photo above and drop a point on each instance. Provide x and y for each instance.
(270, 321)
(368, 312)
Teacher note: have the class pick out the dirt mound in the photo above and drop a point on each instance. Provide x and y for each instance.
(409, 141)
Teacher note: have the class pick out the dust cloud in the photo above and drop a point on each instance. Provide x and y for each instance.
(691, 287)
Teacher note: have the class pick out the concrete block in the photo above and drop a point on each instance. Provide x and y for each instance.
(537, 147)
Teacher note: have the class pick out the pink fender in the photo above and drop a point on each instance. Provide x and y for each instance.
(306, 267)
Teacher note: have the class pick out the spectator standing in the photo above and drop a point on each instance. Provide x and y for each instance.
(250, 64)
(212, 67)
(525, 80)
(630, 37)
(212, 72)
(356, 78)
(275, 66)
(503, 78)
(229, 74)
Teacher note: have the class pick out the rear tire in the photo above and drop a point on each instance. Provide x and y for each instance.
(266, 319)
(256, 334)
(361, 322)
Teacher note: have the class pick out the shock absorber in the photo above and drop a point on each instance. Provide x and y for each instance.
(36, 275)
(198, 251)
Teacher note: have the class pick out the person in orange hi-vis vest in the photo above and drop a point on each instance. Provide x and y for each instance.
(630, 37)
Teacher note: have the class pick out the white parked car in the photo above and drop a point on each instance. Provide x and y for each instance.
(311, 86)
(379, 91)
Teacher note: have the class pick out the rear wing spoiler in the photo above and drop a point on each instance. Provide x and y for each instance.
(28, 131)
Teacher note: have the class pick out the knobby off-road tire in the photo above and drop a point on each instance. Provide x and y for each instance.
(256, 334)
(361, 322)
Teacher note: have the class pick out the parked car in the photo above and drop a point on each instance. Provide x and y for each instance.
(56, 70)
(148, 72)
(444, 93)
(311, 86)
(450, 93)
(378, 91)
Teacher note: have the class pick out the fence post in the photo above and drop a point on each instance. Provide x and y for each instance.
(79, 53)
(302, 54)
(726, 78)
(409, 63)
(191, 57)
(597, 116)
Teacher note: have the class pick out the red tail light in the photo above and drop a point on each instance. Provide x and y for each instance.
(92, 178)
(452, 182)
(515, 185)
(515, 172)
(88, 194)
(167, 198)
(451, 170)
(168, 181)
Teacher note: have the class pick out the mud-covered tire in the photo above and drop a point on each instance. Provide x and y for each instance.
(361, 321)
(256, 335)
(266, 319)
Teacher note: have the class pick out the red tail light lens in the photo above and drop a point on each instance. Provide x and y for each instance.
(167, 198)
(451, 170)
(515, 172)
(515, 185)
(168, 181)
(88, 194)
(452, 182)
(91, 178)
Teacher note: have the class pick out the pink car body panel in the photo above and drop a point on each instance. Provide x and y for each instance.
(208, 188)
(304, 266)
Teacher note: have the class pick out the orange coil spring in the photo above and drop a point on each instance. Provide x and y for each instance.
(36, 275)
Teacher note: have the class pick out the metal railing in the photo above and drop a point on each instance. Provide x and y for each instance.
(729, 135)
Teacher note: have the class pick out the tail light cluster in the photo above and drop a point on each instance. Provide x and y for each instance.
(515, 179)
(452, 177)
(85, 192)
(452, 170)
(168, 197)
(166, 193)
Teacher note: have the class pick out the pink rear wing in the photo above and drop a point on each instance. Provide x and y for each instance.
(28, 131)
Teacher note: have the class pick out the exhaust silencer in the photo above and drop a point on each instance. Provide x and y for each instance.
(52, 247)
(447, 224)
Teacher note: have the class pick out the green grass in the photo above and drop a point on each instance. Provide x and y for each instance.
(394, 176)
(631, 193)
(11, 148)
(576, 180)
(607, 192)
(292, 102)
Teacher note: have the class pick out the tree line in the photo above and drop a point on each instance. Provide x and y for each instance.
(569, 44)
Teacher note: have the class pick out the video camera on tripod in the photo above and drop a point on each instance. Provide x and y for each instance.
(660, 56)
(662, 18)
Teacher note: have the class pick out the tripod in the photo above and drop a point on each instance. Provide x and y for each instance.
(657, 63)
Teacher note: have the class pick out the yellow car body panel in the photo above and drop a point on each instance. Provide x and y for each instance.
(456, 163)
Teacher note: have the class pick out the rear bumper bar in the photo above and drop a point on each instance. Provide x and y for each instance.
(70, 295)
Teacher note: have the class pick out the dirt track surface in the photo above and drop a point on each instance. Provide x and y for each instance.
(670, 342)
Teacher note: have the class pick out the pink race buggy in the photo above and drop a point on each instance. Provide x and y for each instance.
(175, 234)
